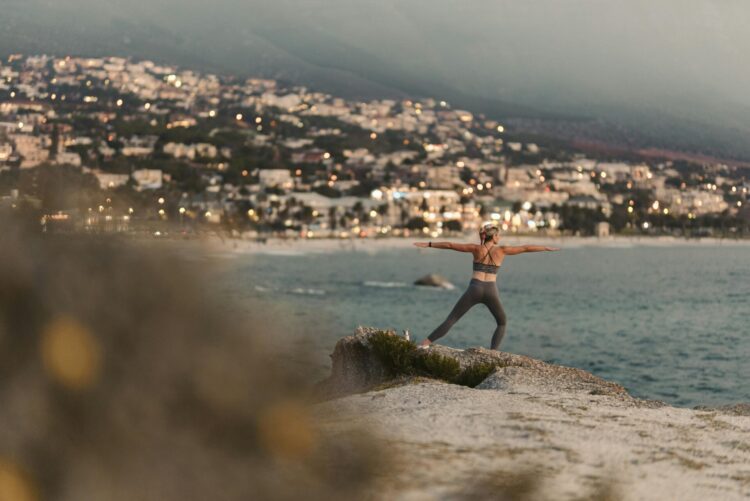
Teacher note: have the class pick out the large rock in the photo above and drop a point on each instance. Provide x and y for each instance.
(434, 280)
(356, 368)
(354, 365)
(549, 378)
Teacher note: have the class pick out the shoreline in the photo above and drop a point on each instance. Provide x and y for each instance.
(322, 245)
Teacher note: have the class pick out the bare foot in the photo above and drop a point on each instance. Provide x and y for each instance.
(424, 344)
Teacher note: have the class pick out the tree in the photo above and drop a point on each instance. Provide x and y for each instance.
(417, 223)
(453, 225)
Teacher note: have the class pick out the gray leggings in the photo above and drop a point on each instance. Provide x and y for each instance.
(478, 292)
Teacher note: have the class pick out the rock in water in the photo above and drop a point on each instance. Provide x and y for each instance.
(434, 280)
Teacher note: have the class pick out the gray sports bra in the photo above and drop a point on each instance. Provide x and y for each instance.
(486, 267)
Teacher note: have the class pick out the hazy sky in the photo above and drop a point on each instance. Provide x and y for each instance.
(682, 59)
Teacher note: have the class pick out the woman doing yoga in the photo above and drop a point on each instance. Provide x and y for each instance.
(487, 257)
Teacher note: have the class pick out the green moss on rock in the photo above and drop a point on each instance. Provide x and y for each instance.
(402, 358)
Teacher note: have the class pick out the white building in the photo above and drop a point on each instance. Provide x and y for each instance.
(191, 151)
(68, 158)
(109, 181)
(138, 146)
(148, 179)
(33, 149)
(275, 177)
(6, 151)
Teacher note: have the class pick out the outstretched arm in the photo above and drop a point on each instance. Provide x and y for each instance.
(510, 251)
(447, 245)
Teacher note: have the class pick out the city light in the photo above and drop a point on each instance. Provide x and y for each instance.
(452, 156)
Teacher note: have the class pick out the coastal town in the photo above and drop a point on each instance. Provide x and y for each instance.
(121, 145)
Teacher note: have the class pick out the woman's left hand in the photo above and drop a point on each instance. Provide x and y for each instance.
(421, 244)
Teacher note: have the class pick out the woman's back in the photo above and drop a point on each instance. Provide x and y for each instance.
(487, 261)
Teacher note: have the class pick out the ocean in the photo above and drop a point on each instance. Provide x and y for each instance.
(667, 322)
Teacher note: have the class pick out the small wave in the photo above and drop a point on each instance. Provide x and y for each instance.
(444, 287)
(308, 292)
(260, 288)
(375, 283)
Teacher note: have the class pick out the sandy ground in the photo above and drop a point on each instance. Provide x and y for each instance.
(447, 437)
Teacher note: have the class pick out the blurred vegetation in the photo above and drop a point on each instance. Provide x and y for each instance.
(120, 380)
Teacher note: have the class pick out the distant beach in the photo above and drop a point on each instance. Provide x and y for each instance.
(321, 245)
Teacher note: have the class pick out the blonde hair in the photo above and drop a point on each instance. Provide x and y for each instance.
(487, 232)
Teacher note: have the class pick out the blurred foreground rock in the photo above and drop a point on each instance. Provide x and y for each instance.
(121, 378)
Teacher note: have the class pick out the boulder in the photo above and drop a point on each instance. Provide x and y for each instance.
(357, 368)
(434, 280)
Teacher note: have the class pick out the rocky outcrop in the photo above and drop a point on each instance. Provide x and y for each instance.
(354, 365)
(528, 430)
(357, 366)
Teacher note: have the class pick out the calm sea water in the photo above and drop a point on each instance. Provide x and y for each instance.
(668, 323)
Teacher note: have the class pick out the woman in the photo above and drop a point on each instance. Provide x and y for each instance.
(488, 257)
